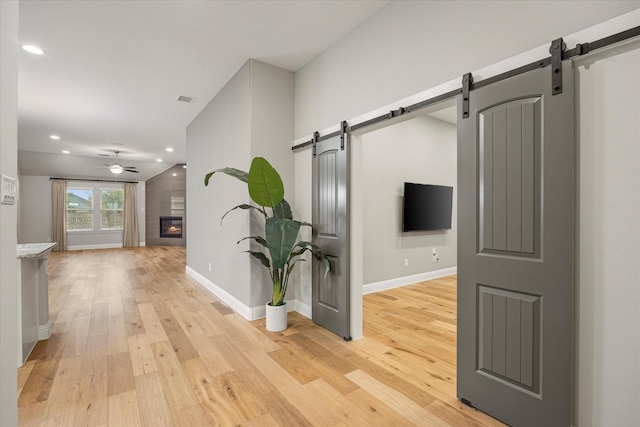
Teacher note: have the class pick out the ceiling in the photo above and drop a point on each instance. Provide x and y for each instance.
(112, 72)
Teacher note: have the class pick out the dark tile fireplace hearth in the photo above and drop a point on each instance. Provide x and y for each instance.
(171, 226)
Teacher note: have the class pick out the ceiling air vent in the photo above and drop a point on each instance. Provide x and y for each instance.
(187, 99)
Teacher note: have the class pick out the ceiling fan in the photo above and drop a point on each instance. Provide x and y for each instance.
(116, 168)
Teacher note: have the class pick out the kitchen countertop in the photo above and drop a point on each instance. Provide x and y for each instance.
(34, 250)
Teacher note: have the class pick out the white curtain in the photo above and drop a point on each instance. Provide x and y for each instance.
(130, 233)
(59, 214)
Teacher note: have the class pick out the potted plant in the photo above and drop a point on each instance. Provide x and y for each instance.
(283, 249)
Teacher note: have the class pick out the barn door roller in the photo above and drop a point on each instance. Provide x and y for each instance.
(343, 133)
(558, 46)
(316, 136)
(467, 80)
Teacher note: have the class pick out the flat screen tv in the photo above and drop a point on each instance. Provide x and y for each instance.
(426, 207)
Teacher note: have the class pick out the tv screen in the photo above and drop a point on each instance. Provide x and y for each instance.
(426, 207)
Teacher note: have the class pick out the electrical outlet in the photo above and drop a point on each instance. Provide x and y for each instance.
(406, 262)
(209, 266)
(436, 258)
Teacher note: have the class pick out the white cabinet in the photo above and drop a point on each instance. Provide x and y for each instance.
(33, 297)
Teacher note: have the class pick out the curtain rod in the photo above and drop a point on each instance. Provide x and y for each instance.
(580, 49)
(92, 180)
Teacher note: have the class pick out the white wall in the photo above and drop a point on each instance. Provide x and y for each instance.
(251, 116)
(8, 213)
(35, 215)
(421, 150)
(411, 46)
(394, 55)
(608, 299)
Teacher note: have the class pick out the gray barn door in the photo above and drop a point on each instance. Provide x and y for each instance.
(516, 250)
(330, 305)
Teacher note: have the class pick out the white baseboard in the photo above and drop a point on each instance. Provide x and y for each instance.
(407, 280)
(101, 246)
(254, 313)
(249, 313)
(44, 331)
(88, 247)
(302, 308)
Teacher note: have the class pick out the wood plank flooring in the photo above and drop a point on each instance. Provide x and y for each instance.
(136, 342)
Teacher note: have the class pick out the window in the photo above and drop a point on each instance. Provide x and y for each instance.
(81, 210)
(112, 202)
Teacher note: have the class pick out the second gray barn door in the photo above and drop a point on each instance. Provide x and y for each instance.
(516, 157)
(330, 302)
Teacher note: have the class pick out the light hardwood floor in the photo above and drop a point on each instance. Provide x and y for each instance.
(137, 342)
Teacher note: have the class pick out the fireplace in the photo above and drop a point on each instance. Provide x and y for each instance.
(171, 226)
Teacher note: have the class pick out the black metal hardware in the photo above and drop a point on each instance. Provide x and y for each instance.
(343, 136)
(54, 178)
(316, 136)
(347, 339)
(467, 80)
(466, 402)
(557, 47)
(395, 113)
(580, 49)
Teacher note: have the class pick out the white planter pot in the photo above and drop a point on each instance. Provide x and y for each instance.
(276, 317)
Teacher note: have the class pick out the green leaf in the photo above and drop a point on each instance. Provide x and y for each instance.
(282, 210)
(236, 173)
(281, 236)
(243, 206)
(277, 293)
(262, 257)
(265, 184)
(317, 253)
(258, 239)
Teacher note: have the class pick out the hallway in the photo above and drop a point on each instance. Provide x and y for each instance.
(137, 342)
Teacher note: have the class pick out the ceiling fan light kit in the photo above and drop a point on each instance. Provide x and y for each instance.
(116, 168)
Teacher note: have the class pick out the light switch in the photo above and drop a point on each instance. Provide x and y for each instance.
(9, 191)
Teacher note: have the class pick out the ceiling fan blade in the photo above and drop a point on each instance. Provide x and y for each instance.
(130, 167)
(130, 170)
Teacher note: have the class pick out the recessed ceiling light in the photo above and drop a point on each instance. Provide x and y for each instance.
(33, 49)
(158, 160)
(169, 149)
(54, 137)
(174, 174)
(184, 166)
(66, 152)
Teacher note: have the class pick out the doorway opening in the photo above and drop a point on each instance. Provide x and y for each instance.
(404, 284)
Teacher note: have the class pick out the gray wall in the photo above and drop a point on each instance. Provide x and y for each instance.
(251, 116)
(35, 209)
(8, 213)
(35, 215)
(159, 191)
(421, 150)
